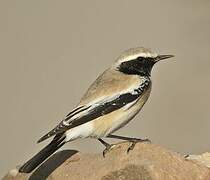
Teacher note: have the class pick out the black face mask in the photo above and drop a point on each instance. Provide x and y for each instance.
(140, 66)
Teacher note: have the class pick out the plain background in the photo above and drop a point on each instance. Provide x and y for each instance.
(50, 52)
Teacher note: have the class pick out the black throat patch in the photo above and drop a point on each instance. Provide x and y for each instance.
(140, 66)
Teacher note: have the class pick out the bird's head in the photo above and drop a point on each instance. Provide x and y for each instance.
(138, 61)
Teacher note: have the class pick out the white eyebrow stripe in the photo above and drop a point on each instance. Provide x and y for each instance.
(135, 56)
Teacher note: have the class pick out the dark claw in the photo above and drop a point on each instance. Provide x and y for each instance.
(104, 153)
(108, 149)
(134, 141)
(131, 147)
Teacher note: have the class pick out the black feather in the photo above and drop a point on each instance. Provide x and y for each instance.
(100, 110)
(41, 156)
(57, 129)
(110, 106)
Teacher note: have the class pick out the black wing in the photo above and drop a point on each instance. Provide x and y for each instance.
(96, 110)
(57, 130)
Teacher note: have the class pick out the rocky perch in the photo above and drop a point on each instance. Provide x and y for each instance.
(145, 162)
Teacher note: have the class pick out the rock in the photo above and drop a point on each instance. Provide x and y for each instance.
(203, 159)
(145, 162)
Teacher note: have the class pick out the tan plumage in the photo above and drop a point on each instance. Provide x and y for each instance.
(111, 122)
(104, 86)
(111, 102)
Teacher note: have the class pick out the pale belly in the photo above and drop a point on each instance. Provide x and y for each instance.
(102, 126)
(107, 124)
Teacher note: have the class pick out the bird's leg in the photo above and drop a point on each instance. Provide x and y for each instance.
(108, 147)
(132, 140)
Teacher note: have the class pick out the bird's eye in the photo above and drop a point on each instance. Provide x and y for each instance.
(140, 58)
(145, 60)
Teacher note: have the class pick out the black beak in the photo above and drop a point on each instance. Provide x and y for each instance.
(161, 57)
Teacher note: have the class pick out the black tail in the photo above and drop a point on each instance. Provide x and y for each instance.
(41, 156)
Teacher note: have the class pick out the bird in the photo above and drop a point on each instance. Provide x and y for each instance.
(112, 100)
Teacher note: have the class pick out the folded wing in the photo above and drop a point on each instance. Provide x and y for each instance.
(86, 113)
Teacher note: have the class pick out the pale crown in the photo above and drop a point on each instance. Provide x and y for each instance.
(134, 53)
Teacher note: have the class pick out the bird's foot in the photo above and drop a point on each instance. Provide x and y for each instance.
(134, 141)
(108, 149)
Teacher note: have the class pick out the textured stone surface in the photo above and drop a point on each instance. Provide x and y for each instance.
(145, 162)
(203, 159)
